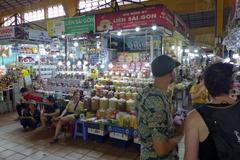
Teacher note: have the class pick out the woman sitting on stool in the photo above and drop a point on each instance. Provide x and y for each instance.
(70, 114)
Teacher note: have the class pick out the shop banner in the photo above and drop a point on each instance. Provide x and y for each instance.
(180, 25)
(141, 17)
(55, 27)
(81, 24)
(7, 32)
(38, 35)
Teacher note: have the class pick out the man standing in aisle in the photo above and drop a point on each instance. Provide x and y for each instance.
(159, 137)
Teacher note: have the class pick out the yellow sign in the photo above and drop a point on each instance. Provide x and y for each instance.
(94, 73)
(24, 72)
(55, 27)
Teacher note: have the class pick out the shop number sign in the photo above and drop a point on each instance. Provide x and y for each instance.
(81, 24)
(157, 15)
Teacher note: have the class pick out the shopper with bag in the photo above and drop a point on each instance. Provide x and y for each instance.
(159, 136)
(70, 114)
(212, 131)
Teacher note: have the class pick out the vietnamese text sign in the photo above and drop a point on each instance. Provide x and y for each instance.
(7, 32)
(81, 24)
(55, 27)
(157, 15)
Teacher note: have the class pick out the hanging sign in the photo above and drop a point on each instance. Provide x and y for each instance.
(148, 16)
(81, 24)
(7, 32)
(55, 27)
(38, 35)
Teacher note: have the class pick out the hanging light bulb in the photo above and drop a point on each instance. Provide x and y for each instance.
(186, 50)
(119, 33)
(63, 36)
(154, 28)
(137, 29)
(110, 65)
(173, 47)
(71, 55)
(75, 44)
(85, 63)
(79, 63)
(147, 64)
(102, 66)
(195, 51)
(60, 63)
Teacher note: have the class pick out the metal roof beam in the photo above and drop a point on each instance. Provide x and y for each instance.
(9, 4)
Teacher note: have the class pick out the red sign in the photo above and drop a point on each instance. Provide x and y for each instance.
(141, 17)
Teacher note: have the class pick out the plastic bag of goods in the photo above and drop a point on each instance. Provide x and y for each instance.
(134, 95)
(122, 95)
(132, 122)
(113, 103)
(101, 114)
(110, 113)
(87, 103)
(95, 103)
(128, 95)
(131, 106)
(103, 103)
(110, 94)
(122, 105)
(116, 94)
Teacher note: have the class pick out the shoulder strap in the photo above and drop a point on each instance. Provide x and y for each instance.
(76, 106)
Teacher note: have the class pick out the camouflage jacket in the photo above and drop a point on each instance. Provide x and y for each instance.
(154, 118)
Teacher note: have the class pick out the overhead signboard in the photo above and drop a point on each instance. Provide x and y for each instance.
(81, 24)
(140, 17)
(55, 27)
(7, 32)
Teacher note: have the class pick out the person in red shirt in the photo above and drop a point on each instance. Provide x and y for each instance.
(26, 97)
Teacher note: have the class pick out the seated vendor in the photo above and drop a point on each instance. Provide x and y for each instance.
(199, 93)
(30, 116)
(26, 96)
(70, 114)
(49, 111)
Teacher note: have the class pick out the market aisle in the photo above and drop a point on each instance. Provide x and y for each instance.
(33, 145)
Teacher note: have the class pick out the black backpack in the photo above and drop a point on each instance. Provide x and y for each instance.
(224, 126)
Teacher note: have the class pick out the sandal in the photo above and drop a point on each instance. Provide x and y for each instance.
(55, 140)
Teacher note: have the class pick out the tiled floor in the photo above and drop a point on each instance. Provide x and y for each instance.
(15, 144)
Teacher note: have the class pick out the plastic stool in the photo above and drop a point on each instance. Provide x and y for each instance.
(83, 132)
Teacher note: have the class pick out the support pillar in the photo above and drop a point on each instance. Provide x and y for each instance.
(219, 26)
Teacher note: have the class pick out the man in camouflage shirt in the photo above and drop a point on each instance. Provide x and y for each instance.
(158, 135)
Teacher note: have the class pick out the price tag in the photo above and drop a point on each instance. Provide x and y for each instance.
(119, 136)
(136, 140)
(96, 132)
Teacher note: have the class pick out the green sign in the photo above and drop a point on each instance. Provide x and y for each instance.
(81, 24)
